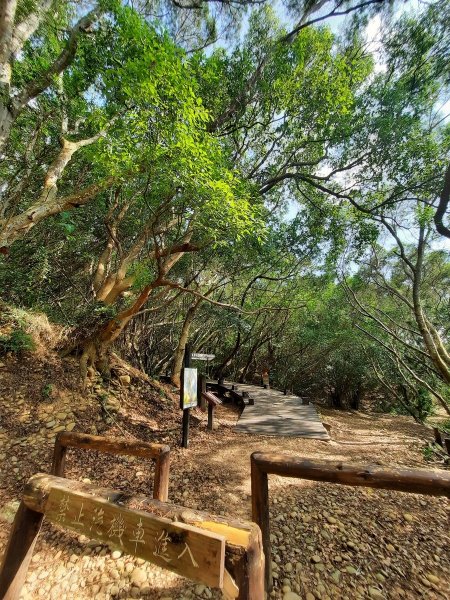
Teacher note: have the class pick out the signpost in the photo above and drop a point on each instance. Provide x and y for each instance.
(200, 356)
(189, 388)
(188, 394)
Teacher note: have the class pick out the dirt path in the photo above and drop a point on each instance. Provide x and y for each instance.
(328, 541)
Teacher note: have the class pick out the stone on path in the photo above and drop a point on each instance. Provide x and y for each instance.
(292, 596)
(8, 511)
(138, 576)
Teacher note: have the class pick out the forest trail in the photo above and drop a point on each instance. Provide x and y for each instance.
(369, 543)
(276, 414)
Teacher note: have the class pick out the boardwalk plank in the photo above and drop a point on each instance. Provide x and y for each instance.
(278, 415)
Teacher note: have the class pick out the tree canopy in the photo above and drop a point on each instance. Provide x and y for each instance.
(276, 192)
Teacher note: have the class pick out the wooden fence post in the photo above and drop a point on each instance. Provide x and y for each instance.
(200, 391)
(162, 470)
(210, 416)
(13, 571)
(59, 458)
(260, 515)
(262, 463)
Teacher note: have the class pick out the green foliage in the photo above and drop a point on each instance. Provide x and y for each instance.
(47, 391)
(424, 404)
(17, 342)
(428, 453)
(266, 169)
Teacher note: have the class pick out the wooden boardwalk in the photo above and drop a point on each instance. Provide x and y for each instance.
(276, 414)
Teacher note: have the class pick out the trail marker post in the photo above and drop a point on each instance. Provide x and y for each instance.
(188, 394)
(205, 357)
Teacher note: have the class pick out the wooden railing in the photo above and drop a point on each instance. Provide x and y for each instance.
(159, 453)
(433, 483)
(213, 401)
(442, 438)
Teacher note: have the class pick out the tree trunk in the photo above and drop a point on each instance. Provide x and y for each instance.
(49, 203)
(5, 125)
(355, 399)
(431, 339)
(250, 358)
(227, 360)
(7, 15)
(184, 335)
(95, 349)
(335, 399)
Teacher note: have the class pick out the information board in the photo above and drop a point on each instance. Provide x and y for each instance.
(188, 388)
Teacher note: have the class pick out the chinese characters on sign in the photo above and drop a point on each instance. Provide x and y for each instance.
(62, 510)
(97, 518)
(161, 549)
(138, 535)
(201, 356)
(187, 550)
(117, 529)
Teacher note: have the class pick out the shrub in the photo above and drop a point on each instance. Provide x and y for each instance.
(47, 391)
(18, 341)
(424, 404)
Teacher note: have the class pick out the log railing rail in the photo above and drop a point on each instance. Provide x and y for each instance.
(212, 400)
(238, 560)
(160, 453)
(432, 483)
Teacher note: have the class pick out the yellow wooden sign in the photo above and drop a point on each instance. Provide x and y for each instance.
(186, 550)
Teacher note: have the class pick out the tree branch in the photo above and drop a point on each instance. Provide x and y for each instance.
(288, 38)
(34, 88)
(25, 29)
(443, 206)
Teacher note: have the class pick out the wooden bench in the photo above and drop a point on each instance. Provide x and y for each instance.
(242, 398)
(209, 549)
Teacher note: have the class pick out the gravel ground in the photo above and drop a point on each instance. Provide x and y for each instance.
(328, 541)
